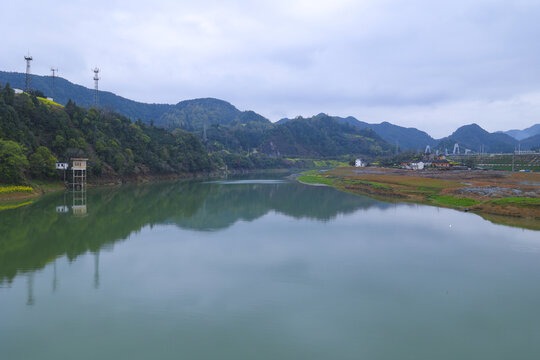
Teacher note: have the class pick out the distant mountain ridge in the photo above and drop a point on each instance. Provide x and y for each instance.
(83, 96)
(525, 133)
(530, 143)
(188, 114)
(473, 137)
(405, 138)
(249, 129)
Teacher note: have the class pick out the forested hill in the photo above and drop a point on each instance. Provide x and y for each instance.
(188, 115)
(473, 137)
(404, 138)
(321, 135)
(224, 127)
(35, 133)
(193, 115)
(66, 90)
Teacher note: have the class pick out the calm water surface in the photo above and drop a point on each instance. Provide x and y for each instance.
(262, 269)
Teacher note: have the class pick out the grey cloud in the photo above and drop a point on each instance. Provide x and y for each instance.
(416, 63)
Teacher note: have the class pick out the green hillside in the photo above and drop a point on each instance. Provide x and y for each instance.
(193, 115)
(34, 134)
(321, 136)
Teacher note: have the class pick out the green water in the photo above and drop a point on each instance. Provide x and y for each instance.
(262, 269)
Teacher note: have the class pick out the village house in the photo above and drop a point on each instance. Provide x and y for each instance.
(359, 163)
(413, 165)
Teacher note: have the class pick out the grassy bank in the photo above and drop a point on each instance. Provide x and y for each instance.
(407, 186)
(12, 196)
(15, 189)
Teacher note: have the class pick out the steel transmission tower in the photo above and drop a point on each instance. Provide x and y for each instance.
(54, 71)
(28, 58)
(96, 79)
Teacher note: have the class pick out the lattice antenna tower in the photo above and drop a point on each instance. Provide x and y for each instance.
(28, 59)
(96, 79)
(54, 71)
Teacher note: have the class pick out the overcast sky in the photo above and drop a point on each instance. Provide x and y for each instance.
(434, 65)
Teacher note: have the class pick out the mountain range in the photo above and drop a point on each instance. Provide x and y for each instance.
(525, 133)
(402, 137)
(223, 123)
(474, 138)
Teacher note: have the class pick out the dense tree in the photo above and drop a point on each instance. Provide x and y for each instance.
(7, 95)
(42, 163)
(13, 162)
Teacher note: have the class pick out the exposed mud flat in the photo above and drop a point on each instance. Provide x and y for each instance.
(506, 194)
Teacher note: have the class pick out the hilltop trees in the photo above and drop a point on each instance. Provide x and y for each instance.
(322, 136)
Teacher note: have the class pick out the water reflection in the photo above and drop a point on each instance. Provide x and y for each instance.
(190, 284)
(78, 205)
(36, 235)
(30, 280)
(79, 202)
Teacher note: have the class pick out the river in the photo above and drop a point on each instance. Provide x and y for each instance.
(261, 268)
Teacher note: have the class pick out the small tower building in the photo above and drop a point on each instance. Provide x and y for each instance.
(78, 168)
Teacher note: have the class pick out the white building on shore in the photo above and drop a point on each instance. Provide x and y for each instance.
(359, 163)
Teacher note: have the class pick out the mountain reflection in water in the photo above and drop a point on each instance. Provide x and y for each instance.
(37, 234)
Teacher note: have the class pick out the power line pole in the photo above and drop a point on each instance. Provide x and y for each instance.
(54, 71)
(28, 59)
(96, 79)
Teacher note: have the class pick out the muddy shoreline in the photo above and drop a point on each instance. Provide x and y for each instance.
(512, 198)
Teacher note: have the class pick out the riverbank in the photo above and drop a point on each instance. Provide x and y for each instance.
(18, 192)
(499, 196)
(15, 196)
